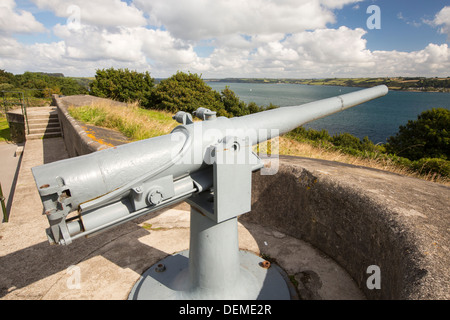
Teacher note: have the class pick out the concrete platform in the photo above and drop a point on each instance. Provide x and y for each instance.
(360, 217)
(106, 267)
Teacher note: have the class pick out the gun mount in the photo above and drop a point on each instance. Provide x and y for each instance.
(208, 164)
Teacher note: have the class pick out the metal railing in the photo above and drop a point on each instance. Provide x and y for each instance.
(16, 98)
(2, 201)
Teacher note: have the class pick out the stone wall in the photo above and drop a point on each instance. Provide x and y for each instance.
(16, 122)
(75, 137)
(362, 217)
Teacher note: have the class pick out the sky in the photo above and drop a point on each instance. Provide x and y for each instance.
(228, 38)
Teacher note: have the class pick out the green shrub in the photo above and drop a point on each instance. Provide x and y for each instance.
(188, 92)
(301, 133)
(122, 85)
(432, 165)
(185, 92)
(426, 137)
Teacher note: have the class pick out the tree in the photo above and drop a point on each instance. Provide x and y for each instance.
(253, 107)
(188, 92)
(233, 105)
(41, 84)
(426, 137)
(48, 92)
(122, 85)
(67, 86)
(6, 77)
(185, 92)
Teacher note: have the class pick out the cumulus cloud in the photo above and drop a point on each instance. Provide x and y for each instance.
(254, 38)
(331, 45)
(433, 60)
(53, 57)
(338, 52)
(93, 43)
(17, 21)
(303, 54)
(10, 48)
(160, 45)
(200, 19)
(101, 13)
(443, 19)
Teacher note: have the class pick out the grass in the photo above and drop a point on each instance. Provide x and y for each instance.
(134, 122)
(304, 149)
(292, 147)
(138, 124)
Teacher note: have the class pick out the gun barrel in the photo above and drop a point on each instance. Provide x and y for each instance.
(111, 186)
(286, 119)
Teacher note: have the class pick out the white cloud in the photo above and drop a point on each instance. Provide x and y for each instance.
(101, 13)
(10, 47)
(202, 19)
(286, 38)
(303, 54)
(443, 19)
(53, 57)
(332, 45)
(338, 4)
(321, 53)
(93, 43)
(17, 21)
(325, 53)
(434, 60)
(159, 45)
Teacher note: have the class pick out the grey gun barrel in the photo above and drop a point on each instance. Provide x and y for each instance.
(286, 119)
(109, 187)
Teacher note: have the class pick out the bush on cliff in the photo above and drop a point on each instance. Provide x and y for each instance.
(122, 85)
(426, 137)
(185, 92)
(188, 92)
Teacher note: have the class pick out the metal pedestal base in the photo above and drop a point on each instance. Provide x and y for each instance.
(169, 280)
(213, 269)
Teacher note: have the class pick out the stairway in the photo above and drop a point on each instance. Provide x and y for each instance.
(43, 123)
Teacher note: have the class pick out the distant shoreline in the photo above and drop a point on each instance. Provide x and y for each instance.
(408, 84)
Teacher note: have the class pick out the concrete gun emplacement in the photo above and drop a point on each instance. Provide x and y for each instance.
(206, 163)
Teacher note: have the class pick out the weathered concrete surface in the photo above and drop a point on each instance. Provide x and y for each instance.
(107, 266)
(361, 217)
(81, 138)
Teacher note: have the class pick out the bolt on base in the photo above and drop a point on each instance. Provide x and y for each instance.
(212, 269)
(256, 282)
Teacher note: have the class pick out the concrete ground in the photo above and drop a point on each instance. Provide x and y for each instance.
(106, 266)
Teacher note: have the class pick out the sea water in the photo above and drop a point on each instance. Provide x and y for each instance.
(377, 119)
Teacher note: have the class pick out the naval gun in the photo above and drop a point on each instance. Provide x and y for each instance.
(209, 165)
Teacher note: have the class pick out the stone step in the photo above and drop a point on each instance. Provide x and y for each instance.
(45, 130)
(43, 120)
(39, 125)
(37, 136)
(32, 117)
(43, 123)
(44, 112)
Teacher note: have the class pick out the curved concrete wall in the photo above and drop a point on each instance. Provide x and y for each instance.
(358, 216)
(362, 217)
(75, 137)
